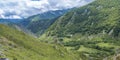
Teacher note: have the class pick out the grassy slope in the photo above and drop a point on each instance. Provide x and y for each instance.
(16, 45)
(92, 30)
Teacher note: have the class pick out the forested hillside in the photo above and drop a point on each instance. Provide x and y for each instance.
(99, 16)
(37, 24)
(92, 30)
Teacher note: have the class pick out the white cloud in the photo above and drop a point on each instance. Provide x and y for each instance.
(25, 8)
(1, 11)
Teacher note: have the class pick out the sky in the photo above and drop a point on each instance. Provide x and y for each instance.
(17, 9)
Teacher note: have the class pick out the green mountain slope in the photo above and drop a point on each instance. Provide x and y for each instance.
(92, 30)
(39, 23)
(16, 45)
(99, 16)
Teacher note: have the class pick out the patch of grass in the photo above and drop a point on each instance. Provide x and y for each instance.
(17, 45)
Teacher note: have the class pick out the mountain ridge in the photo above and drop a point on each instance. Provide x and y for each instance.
(39, 23)
(92, 30)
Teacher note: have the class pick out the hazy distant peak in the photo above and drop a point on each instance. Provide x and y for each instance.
(25, 8)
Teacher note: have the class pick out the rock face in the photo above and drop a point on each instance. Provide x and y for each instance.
(117, 57)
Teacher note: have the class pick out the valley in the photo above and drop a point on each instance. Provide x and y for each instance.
(89, 32)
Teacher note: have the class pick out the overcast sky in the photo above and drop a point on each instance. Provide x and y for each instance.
(24, 8)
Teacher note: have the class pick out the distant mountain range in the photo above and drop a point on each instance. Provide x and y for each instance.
(39, 23)
(13, 9)
(15, 21)
(36, 24)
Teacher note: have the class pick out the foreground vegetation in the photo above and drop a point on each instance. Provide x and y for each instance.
(16, 45)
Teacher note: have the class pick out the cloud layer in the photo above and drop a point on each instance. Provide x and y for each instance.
(23, 8)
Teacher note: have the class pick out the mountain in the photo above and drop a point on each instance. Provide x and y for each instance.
(13, 21)
(23, 9)
(39, 23)
(16, 45)
(92, 30)
(91, 19)
(16, 24)
(36, 24)
(48, 15)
